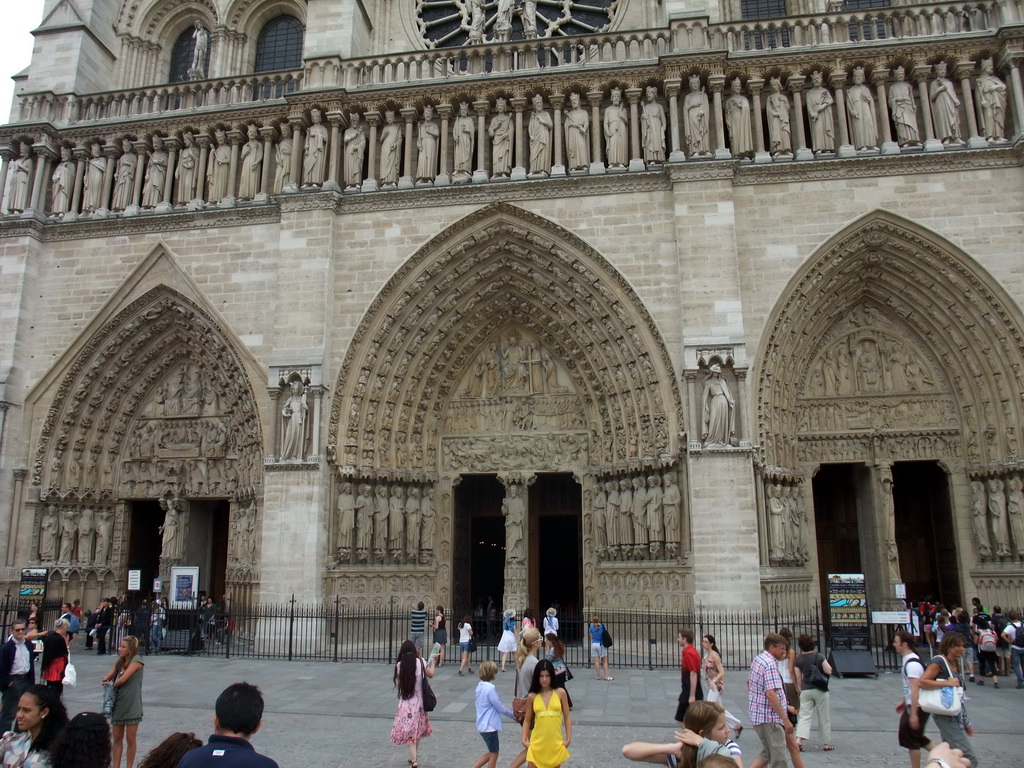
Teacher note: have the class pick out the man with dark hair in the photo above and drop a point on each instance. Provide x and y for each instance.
(418, 626)
(238, 715)
(912, 717)
(690, 670)
(767, 697)
(16, 673)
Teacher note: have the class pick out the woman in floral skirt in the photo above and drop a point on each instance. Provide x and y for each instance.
(411, 721)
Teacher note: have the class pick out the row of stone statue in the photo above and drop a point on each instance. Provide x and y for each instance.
(787, 522)
(997, 516)
(384, 522)
(637, 517)
(243, 534)
(75, 534)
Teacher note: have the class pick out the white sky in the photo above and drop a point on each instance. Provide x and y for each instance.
(19, 18)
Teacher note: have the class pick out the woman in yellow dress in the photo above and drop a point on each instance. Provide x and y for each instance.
(547, 708)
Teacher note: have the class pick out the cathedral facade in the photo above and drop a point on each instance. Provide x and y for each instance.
(619, 304)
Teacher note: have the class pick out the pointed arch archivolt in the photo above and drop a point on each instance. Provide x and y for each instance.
(503, 268)
(945, 302)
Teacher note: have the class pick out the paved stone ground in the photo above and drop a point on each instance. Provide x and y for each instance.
(325, 715)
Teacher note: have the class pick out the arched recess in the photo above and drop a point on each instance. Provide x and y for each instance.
(501, 268)
(963, 320)
(248, 18)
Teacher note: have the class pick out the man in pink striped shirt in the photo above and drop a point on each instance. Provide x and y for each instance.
(768, 703)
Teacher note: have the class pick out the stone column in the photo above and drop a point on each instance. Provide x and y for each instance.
(408, 177)
(515, 509)
(482, 109)
(16, 504)
(963, 71)
(203, 140)
(557, 102)
(370, 182)
(755, 86)
(112, 152)
(677, 154)
(165, 205)
(889, 147)
(297, 122)
(921, 72)
(141, 148)
(81, 154)
(882, 561)
(275, 413)
(596, 164)
(717, 85)
(268, 133)
(443, 179)
(235, 138)
(37, 200)
(334, 117)
(636, 159)
(519, 169)
(6, 155)
(845, 148)
(795, 83)
(1018, 93)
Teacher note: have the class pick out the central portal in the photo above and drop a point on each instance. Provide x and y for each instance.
(554, 575)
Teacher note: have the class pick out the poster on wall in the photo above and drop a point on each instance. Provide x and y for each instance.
(184, 585)
(33, 583)
(848, 603)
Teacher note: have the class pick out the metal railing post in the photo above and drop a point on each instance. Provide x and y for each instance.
(291, 627)
(337, 625)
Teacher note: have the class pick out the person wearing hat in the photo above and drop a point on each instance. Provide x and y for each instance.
(507, 644)
(550, 622)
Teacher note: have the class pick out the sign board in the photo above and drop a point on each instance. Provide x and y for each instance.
(184, 585)
(158, 586)
(890, 617)
(901, 591)
(848, 603)
(33, 583)
(134, 580)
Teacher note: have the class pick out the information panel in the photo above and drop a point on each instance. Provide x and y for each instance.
(847, 603)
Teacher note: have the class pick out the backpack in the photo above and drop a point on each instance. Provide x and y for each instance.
(1018, 634)
(987, 640)
(74, 624)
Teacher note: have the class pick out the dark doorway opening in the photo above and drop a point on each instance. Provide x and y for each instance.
(144, 542)
(836, 522)
(478, 568)
(925, 537)
(555, 544)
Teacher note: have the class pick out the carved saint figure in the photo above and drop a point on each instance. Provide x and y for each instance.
(1015, 511)
(540, 138)
(653, 514)
(426, 147)
(670, 506)
(464, 138)
(903, 109)
(860, 107)
(363, 509)
(652, 124)
(185, 173)
(48, 531)
(283, 158)
(737, 120)
(390, 150)
(997, 516)
(776, 522)
(314, 160)
(780, 140)
(293, 445)
(696, 114)
(503, 20)
(218, 167)
(639, 515)
(63, 183)
(991, 102)
(599, 520)
(528, 14)
(355, 150)
(476, 22)
(616, 131)
(124, 178)
(172, 529)
(20, 180)
(501, 131)
(68, 534)
(104, 531)
(346, 518)
(577, 135)
(427, 520)
(252, 165)
(516, 360)
(380, 519)
(796, 525)
(513, 507)
(979, 518)
(626, 515)
(92, 189)
(819, 113)
(156, 174)
(396, 519)
(945, 107)
(718, 408)
(202, 44)
(412, 523)
(614, 507)
(86, 531)
(869, 367)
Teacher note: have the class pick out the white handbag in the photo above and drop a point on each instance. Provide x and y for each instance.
(942, 701)
(70, 675)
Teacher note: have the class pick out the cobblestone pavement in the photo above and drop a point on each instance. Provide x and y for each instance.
(324, 715)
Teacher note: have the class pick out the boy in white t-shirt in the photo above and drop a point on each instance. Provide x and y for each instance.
(912, 717)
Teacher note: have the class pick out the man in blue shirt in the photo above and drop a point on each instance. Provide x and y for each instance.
(238, 715)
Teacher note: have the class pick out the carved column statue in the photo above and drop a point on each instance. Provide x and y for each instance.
(514, 510)
(979, 519)
(49, 527)
(997, 516)
(363, 513)
(903, 109)
(104, 534)
(346, 521)
(1015, 511)
(396, 522)
(68, 534)
(86, 532)
(776, 523)
(428, 525)
(718, 411)
(173, 529)
(671, 503)
(295, 421)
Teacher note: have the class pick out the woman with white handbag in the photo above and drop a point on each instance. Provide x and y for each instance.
(941, 695)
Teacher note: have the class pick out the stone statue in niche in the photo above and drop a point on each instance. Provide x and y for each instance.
(653, 514)
(464, 137)
(20, 179)
(124, 178)
(412, 523)
(599, 522)
(997, 515)
(696, 120)
(819, 113)
(639, 515)
(476, 22)
(718, 409)
(156, 174)
(68, 534)
(501, 131)
(798, 524)
(945, 107)
(92, 188)
(396, 521)
(218, 167)
(48, 534)
(252, 165)
(991, 103)
(626, 517)
(903, 109)
(293, 443)
(614, 510)
(426, 147)
(86, 533)
(185, 173)
(777, 108)
(363, 510)
(528, 14)
(172, 530)
(1015, 511)
(540, 139)
(577, 135)
(104, 534)
(63, 183)
(979, 518)
(314, 160)
(513, 507)
(202, 44)
(652, 125)
(283, 158)
(390, 150)
(670, 504)
(616, 131)
(355, 151)
(428, 524)
(346, 520)
(860, 108)
(503, 20)
(380, 521)
(776, 523)
(737, 120)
